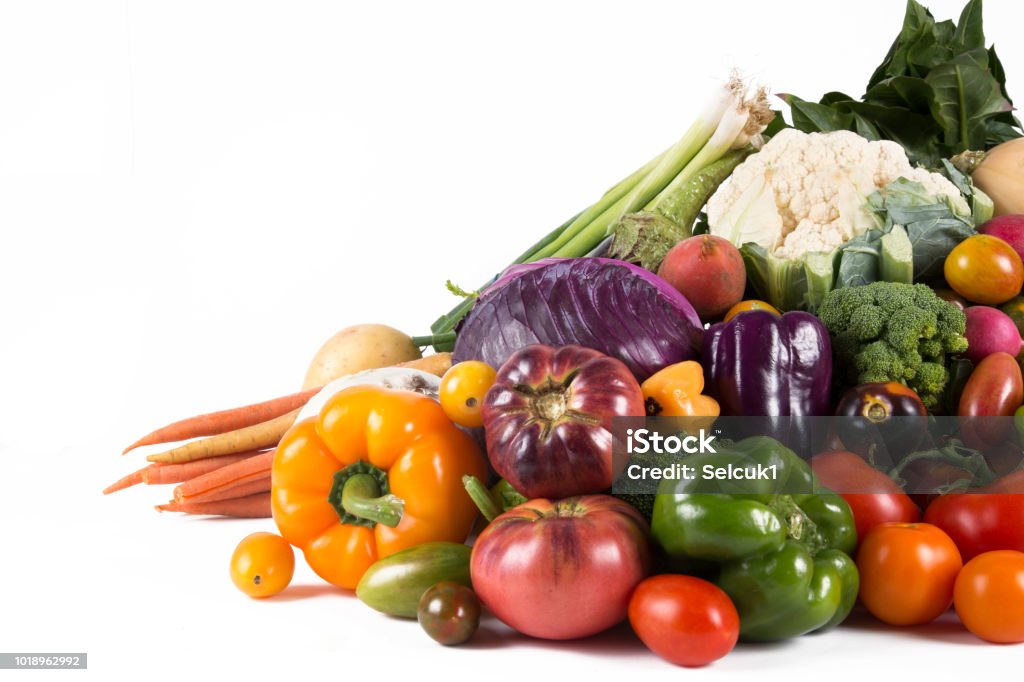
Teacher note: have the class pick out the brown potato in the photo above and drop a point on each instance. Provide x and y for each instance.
(353, 349)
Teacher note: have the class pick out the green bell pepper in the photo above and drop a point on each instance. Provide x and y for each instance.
(779, 545)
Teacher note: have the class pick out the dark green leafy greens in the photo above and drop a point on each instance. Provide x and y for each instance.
(938, 92)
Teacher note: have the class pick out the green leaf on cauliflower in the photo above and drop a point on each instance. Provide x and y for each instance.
(790, 284)
(896, 259)
(934, 225)
(859, 260)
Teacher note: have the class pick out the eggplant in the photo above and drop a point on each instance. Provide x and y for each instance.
(760, 364)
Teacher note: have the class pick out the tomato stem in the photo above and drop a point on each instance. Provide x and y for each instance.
(969, 460)
(482, 498)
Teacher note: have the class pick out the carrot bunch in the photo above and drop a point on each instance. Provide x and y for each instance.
(224, 467)
(226, 471)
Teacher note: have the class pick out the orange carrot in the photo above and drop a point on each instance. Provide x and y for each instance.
(225, 420)
(134, 478)
(250, 507)
(236, 418)
(256, 437)
(226, 477)
(243, 488)
(156, 474)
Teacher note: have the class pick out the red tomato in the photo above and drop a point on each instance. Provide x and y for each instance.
(994, 389)
(982, 522)
(875, 498)
(561, 569)
(989, 596)
(685, 620)
(907, 572)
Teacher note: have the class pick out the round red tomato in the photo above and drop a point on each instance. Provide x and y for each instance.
(873, 497)
(685, 620)
(981, 522)
(907, 572)
(989, 596)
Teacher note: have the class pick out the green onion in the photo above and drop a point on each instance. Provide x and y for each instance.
(730, 121)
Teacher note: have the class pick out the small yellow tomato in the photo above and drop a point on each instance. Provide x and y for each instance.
(262, 565)
(750, 304)
(462, 391)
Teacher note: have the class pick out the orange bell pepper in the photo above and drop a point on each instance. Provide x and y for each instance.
(676, 391)
(377, 471)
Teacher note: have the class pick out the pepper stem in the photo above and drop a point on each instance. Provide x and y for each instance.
(799, 526)
(360, 496)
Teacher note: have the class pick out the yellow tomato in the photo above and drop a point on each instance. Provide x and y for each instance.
(462, 391)
(984, 269)
(262, 565)
(750, 304)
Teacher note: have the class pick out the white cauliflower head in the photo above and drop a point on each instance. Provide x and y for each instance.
(803, 192)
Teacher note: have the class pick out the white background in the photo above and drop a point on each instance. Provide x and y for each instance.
(194, 195)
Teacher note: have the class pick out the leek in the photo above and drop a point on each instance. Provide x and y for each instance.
(667, 183)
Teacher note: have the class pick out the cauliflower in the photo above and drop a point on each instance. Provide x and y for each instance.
(807, 193)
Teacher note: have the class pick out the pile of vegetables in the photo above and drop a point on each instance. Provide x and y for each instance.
(862, 265)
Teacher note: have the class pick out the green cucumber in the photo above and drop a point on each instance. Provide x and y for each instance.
(395, 584)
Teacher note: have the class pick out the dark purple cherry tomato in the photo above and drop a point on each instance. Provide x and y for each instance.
(883, 421)
(449, 613)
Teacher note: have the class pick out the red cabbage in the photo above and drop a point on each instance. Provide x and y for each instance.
(609, 305)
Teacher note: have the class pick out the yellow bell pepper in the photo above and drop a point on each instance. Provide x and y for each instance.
(377, 471)
(676, 391)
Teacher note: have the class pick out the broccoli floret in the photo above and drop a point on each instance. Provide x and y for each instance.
(906, 327)
(869, 321)
(931, 377)
(888, 331)
(931, 349)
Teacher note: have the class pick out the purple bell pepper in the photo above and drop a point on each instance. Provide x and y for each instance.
(761, 364)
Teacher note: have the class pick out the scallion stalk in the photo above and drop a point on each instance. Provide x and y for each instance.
(729, 121)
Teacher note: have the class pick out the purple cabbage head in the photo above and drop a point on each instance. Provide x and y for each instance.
(609, 305)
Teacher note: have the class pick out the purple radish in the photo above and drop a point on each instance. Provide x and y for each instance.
(1009, 228)
(990, 331)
